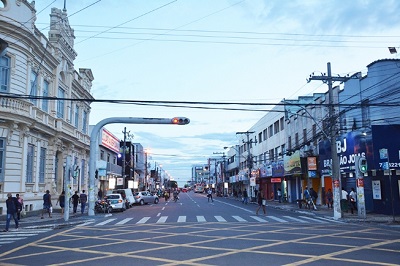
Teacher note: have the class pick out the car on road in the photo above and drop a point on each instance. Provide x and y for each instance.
(145, 197)
(116, 202)
(127, 195)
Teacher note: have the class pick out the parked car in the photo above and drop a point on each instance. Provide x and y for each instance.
(116, 202)
(126, 195)
(145, 197)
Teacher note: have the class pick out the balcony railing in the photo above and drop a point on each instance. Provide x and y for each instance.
(24, 108)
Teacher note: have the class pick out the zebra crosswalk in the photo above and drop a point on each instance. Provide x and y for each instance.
(23, 233)
(217, 218)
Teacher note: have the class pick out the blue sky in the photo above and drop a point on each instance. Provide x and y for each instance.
(249, 51)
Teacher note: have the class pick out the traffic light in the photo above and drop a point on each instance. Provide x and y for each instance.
(180, 120)
(362, 165)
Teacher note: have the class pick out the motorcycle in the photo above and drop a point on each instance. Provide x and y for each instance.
(176, 198)
(102, 206)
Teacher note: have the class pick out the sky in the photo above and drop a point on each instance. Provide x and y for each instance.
(215, 52)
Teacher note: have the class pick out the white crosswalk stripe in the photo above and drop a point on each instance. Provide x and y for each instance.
(124, 221)
(22, 233)
(201, 219)
(106, 221)
(218, 218)
(331, 220)
(295, 219)
(277, 219)
(239, 219)
(162, 219)
(143, 220)
(259, 219)
(313, 219)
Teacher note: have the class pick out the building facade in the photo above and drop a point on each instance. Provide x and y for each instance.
(289, 148)
(44, 107)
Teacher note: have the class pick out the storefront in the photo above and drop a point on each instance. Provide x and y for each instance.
(381, 148)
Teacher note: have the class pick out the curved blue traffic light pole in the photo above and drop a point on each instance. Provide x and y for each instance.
(94, 145)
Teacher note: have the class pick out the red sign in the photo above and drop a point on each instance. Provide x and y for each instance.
(312, 163)
(275, 180)
(109, 141)
(360, 182)
(336, 183)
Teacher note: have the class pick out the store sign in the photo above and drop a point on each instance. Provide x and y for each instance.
(348, 146)
(376, 190)
(275, 180)
(109, 141)
(312, 163)
(292, 164)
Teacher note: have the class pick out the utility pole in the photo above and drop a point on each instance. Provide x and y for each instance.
(328, 79)
(249, 156)
(222, 169)
(129, 136)
(123, 157)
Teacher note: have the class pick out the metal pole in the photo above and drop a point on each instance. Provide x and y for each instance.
(390, 187)
(94, 144)
(123, 159)
(67, 185)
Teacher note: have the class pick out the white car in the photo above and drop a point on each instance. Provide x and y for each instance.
(116, 202)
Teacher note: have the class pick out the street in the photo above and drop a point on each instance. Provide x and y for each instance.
(194, 231)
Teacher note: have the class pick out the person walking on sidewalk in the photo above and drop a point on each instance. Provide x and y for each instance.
(344, 201)
(11, 204)
(279, 195)
(83, 199)
(20, 206)
(61, 200)
(46, 204)
(75, 201)
(329, 198)
(353, 200)
(261, 202)
(245, 197)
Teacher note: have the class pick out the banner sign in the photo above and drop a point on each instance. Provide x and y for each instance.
(292, 164)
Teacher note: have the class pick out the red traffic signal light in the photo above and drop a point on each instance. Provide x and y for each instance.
(180, 120)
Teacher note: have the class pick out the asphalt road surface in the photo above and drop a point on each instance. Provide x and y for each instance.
(194, 231)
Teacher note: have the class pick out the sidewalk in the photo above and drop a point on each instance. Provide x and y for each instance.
(328, 213)
(33, 220)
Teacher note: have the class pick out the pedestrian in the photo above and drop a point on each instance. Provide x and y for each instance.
(61, 200)
(261, 202)
(20, 206)
(83, 199)
(279, 195)
(245, 197)
(344, 200)
(47, 204)
(100, 194)
(353, 200)
(209, 195)
(314, 195)
(329, 198)
(75, 201)
(11, 204)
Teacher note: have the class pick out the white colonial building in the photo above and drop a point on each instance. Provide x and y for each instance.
(44, 106)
